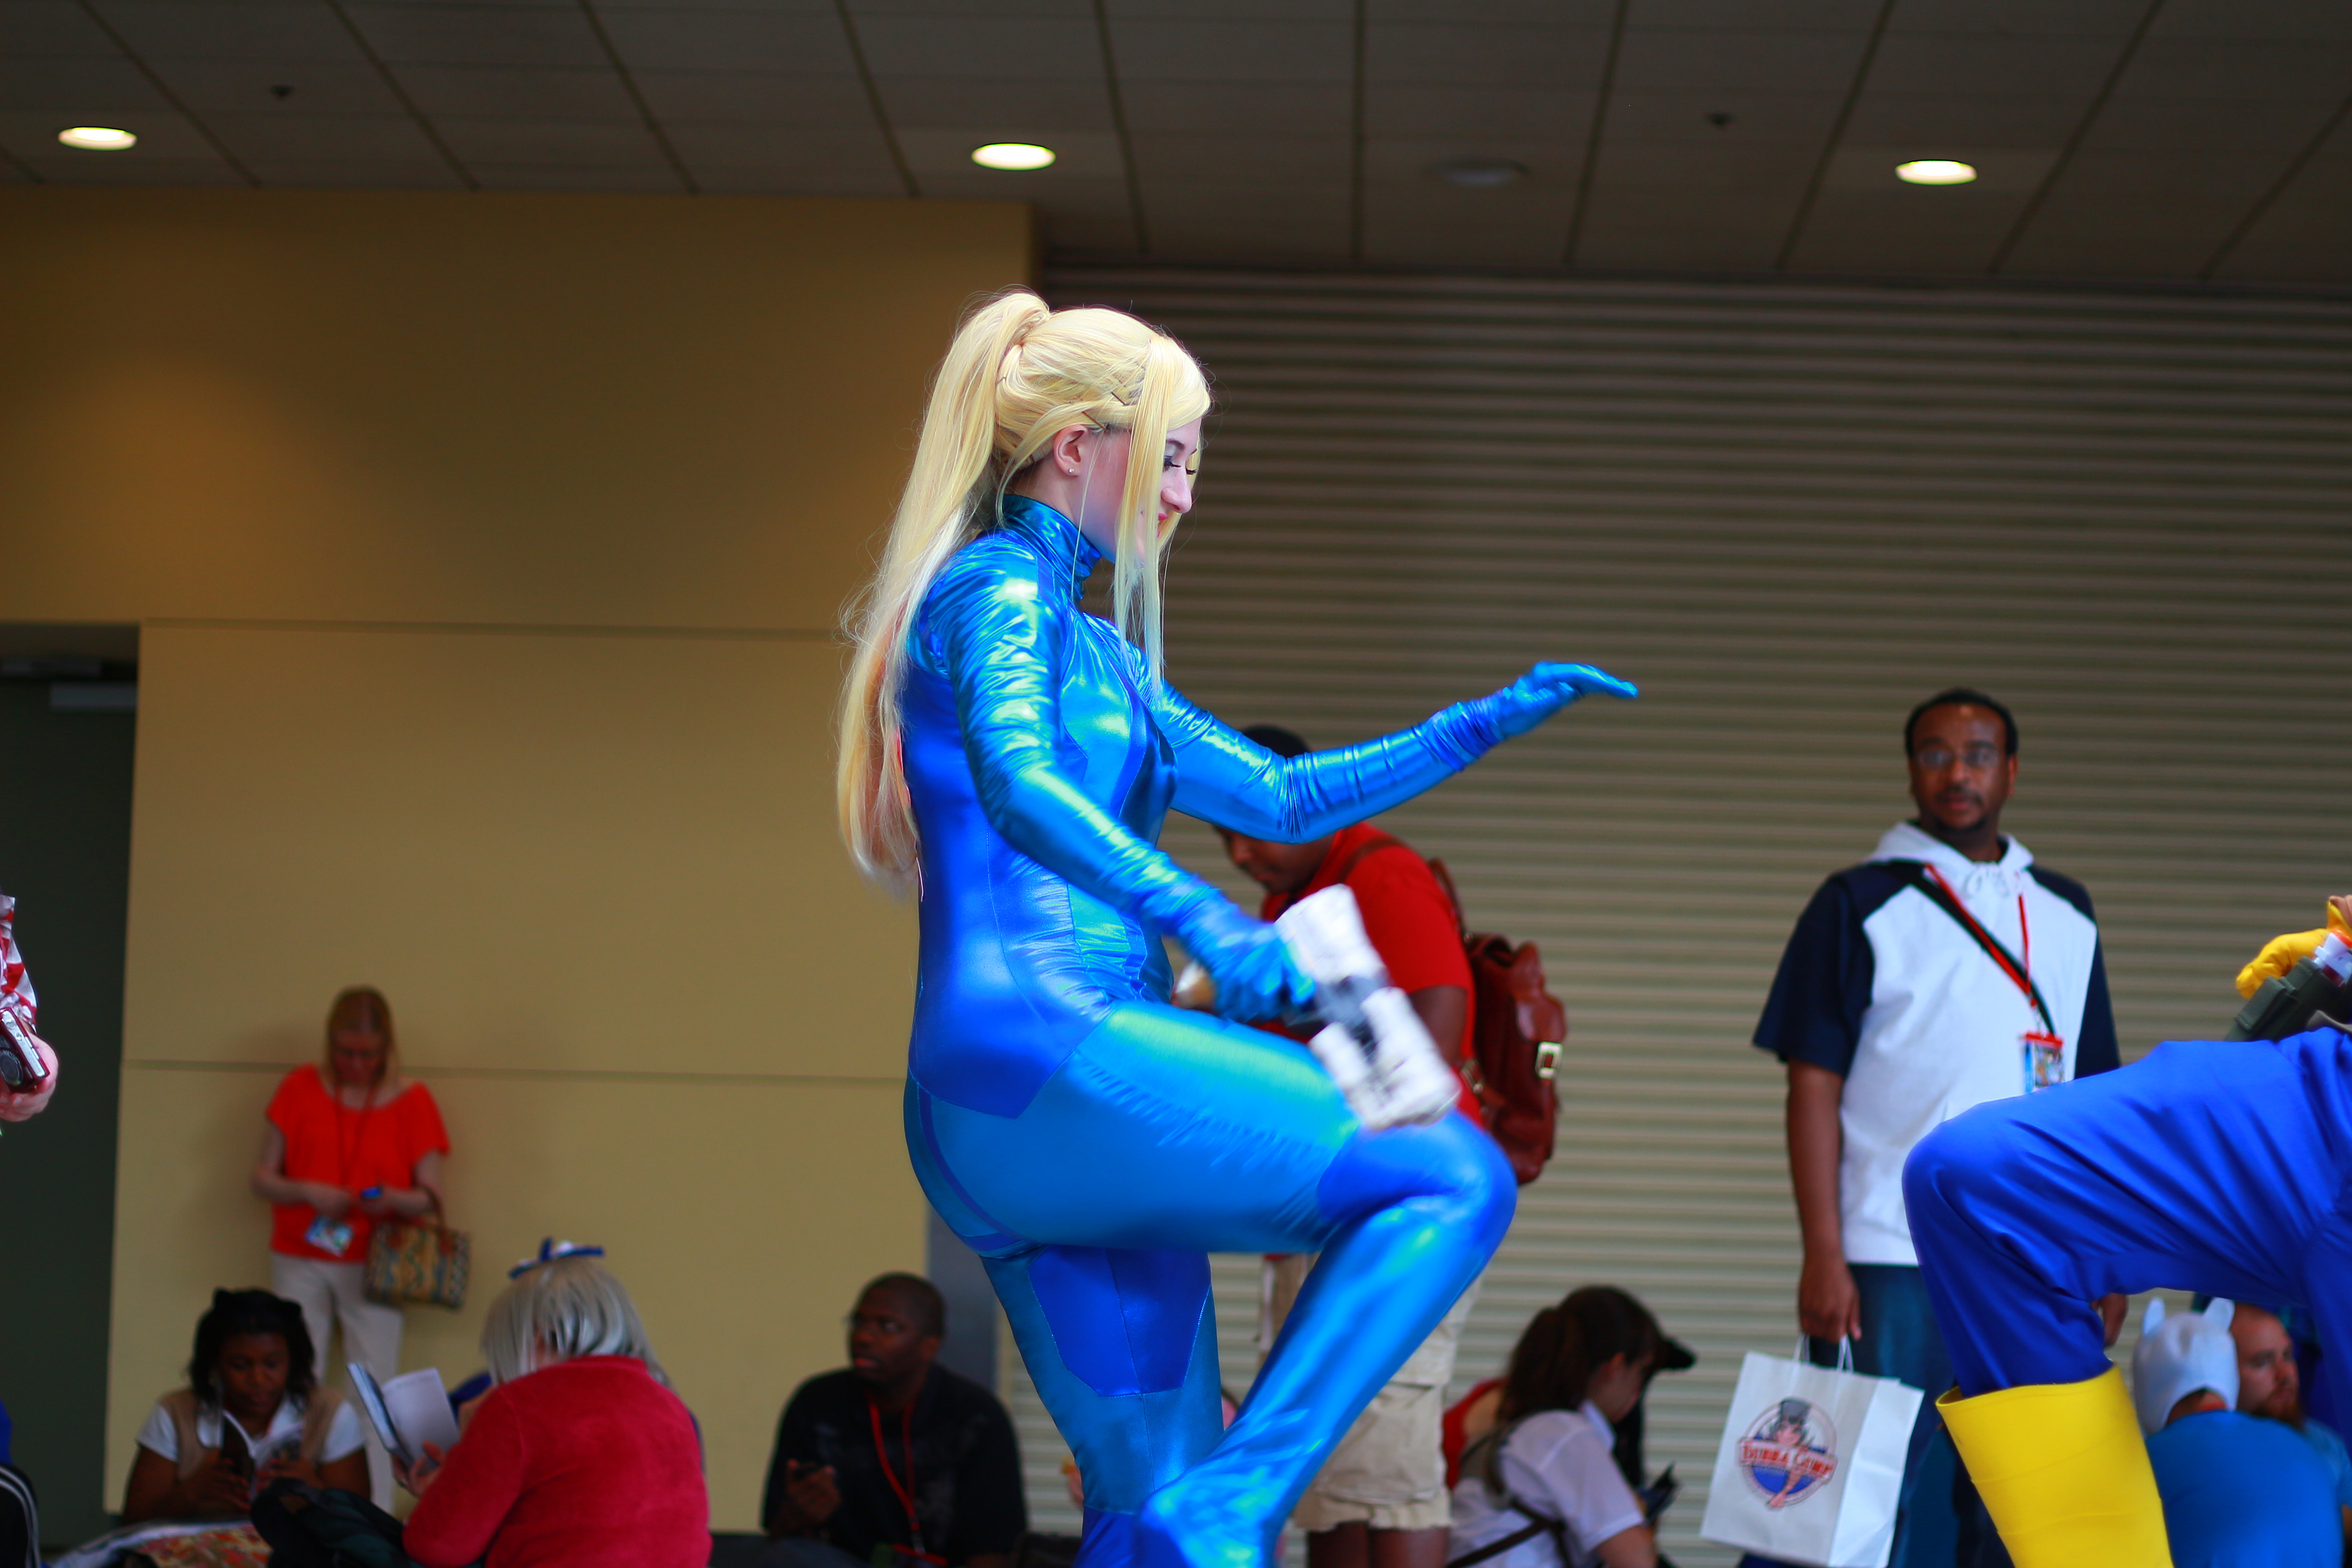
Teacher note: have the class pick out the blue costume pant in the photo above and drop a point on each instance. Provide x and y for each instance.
(1166, 1136)
(2205, 1167)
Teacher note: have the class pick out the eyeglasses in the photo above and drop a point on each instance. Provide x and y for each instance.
(1980, 757)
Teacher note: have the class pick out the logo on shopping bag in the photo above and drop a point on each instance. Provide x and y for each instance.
(1790, 1453)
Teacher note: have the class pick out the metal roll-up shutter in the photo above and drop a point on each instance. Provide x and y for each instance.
(1788, 513)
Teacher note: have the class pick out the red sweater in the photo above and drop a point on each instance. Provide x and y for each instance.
(588, 1463)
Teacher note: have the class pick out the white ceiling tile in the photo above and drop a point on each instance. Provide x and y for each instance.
(854, 151)
(2139, 214)
(875, 179)
(610, 8)
(2020, 18)
(952, 103)
(1688, 62)
(362, 174)
(1242, 159)
(2277, 125)
(479, 33)
(204, 170)
(651, 178)
(577, 144)
(14, 173)
(230, 29)
(1756, 15)
(2024, 67)
(1470, 111)
(1217, 107)
(1010, 50)
(1402, 238)
(1077, 153)
(519, 93)
(163, 133)
(77, 85)
(1497, 57)
(809, 44)
(320, 87)
(1664, 231)
(50, 28)
(2317, 21)
(1340, 11)
(1584, 15)
(1164, 49)
(1093, 193)
(324, 138)
(1925, 121)
(2215, 68)
(973, 10)
(1804, 117)
(1883, 231)
(755, 97)
(1409, 163)
(2000, 172)
(1702, 171)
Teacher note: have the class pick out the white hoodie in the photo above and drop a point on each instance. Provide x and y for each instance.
(1945, 1028)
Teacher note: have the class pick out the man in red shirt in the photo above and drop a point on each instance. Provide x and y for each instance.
(1380, 1502)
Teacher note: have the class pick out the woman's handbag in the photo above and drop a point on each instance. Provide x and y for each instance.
(420, 1264)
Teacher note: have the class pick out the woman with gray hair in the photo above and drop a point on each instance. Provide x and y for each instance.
(579, 1454)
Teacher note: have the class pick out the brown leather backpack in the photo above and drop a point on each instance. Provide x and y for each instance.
(1517, 1029)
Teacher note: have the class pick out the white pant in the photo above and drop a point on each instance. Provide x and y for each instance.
(330, 1293)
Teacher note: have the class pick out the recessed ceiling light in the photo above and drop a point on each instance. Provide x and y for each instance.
(98, 138)
(1013, 155)
(1935, 172)
(1481, 174)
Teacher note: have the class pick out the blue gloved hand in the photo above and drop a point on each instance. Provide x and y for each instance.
(1255, 976)
(1544, 691)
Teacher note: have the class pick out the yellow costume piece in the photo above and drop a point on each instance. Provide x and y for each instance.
(2064, 1470)
(2281, 953)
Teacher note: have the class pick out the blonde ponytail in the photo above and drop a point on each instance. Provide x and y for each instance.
(1016, 374)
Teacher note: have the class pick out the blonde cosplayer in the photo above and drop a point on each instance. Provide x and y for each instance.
(1018, 374)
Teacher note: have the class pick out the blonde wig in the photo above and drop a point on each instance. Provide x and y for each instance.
(1017, 375)
(560, 1312)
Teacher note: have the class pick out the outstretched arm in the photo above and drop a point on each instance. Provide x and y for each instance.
(1228, 779)
(1003, 644)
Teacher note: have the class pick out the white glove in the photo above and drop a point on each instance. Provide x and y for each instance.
(1374, 1044)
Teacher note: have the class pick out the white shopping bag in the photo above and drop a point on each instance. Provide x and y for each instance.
(1811, 1463)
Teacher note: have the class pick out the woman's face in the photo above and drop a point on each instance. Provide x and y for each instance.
(251, 1373)
(1617, 1384)
(1103, 479)
(358, 1052)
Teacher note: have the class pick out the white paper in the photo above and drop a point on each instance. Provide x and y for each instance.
(409, 1412)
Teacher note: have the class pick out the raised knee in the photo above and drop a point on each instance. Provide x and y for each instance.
(1452, 1162)
(1974, 1153)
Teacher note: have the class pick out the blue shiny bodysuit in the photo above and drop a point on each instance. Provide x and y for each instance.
(1094, 1144)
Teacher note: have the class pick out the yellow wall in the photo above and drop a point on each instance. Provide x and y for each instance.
(487, 550)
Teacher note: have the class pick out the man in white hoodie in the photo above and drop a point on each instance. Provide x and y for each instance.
(1947, 971)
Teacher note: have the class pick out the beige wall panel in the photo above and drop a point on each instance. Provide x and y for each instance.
(607, 853)
(742, 1215)
(419, 406)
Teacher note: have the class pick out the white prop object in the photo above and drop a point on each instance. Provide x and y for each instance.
(1373, 1044)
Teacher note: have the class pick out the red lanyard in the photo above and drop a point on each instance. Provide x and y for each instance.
(2024, 983)
(907, 1491)
(346, 1158)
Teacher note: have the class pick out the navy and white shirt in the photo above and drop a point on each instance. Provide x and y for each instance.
(1879, 986)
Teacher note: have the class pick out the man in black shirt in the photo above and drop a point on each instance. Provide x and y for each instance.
(893, 1462)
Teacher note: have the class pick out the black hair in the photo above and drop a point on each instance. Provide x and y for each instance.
(1953, 697)
(914, 1287)
(237, 1312)
(1552, 1365)
(1282, 742)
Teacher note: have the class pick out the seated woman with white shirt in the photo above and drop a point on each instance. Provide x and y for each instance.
(1542, 1488)
(251, 1414)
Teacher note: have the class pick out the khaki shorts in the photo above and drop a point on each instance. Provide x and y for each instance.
(1388, 1472)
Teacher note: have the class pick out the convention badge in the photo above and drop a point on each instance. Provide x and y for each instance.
(330, 1235)
(2045, 1060)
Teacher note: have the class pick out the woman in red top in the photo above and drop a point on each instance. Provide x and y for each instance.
(349, 1143)
(580, 1455)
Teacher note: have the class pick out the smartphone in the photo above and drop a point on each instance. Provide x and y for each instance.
(20, 1063)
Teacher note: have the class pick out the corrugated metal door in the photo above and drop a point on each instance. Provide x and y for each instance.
(1789, 513)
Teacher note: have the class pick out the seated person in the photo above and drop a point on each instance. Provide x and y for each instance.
(2239, 1492)
(2269, 1385)
(852, 1444)
(252, 1413)
(1541, 1486)
(579, 1454)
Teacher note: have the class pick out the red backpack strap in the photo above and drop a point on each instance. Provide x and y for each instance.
(1373, 845)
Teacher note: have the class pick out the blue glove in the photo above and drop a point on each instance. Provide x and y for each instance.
(1542, 692)
(1255, 976)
